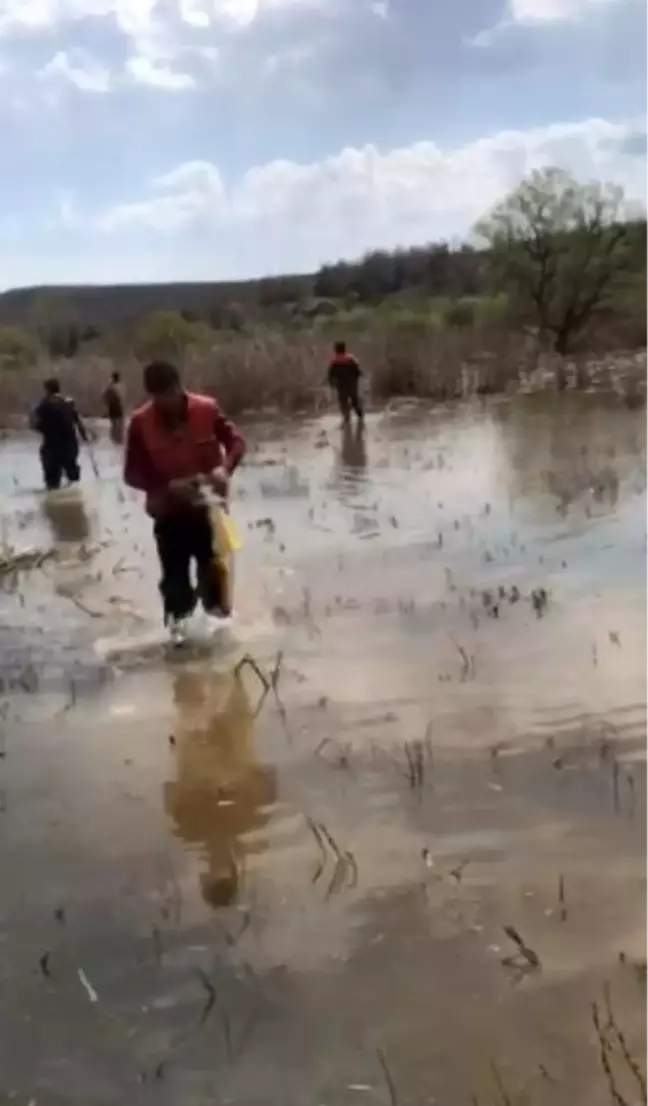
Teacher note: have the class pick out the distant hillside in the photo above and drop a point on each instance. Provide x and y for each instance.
(418, 274)
(432, 270)
(113, 306)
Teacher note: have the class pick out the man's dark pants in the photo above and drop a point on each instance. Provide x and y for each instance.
(59, 460)
(182, 540)
(349, 400)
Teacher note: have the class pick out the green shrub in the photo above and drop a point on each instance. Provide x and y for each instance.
(18, 349)
(168, 334)
(492, 311)
(459, 314)
(409, 323)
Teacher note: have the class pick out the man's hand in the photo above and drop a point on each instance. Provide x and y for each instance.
(190, 489)
(187, 489)
(218, 482)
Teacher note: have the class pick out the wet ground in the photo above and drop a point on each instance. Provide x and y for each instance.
(405, 875)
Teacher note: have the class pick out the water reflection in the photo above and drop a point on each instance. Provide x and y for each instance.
(116, 431)
(221, 795)
(571, 454)
(349, 474)
(353, 449)
(67, 517)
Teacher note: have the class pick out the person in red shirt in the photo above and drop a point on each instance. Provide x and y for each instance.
(344, 376)
(176, 443)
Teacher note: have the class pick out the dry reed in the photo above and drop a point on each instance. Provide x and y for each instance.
(288, 372)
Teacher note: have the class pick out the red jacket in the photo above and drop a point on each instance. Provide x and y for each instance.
(157, 454)
(344, 372)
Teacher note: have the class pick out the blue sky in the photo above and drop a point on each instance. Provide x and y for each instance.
(207, 139)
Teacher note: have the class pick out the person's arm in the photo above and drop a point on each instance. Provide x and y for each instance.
(78, 422)
(35, 418)
(231, 440)
(139, 472)
(332, 375)
(233, 447)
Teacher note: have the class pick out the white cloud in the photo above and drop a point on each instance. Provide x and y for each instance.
(551, 11)
(539, 13)
(78, 69)
(159, 32)
(133, 16)
(363, 198)
(189, 194)
(193, 13)
(136, 17)
(236, 13)
(146, 70)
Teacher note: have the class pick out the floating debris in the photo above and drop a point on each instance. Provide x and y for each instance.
(87, 986)
(524, 955)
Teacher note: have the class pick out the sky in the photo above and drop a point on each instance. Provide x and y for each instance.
(169, 140)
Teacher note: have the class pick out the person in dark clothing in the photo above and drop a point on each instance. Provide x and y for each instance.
(56, 418)
(175, 444)
(344, 376)
(114, 405)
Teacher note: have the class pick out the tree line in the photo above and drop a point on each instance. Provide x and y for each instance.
(562, 254)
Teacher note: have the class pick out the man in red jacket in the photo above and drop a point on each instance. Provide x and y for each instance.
(344, 376)
(175, 443)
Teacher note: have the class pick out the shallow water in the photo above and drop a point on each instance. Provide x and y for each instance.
(302, 900)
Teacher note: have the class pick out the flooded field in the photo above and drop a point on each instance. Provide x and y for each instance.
(409, 868)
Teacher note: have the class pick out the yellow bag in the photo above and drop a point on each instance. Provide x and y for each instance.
(226, 540)
(227, 537)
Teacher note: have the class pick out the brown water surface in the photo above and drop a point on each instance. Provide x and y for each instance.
(303, 902)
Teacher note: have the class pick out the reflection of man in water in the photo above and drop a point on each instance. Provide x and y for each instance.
(221, 794)
(67, 518)
(353, 453)
(350, 463)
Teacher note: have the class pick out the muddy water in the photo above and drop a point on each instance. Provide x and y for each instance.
(208, 898)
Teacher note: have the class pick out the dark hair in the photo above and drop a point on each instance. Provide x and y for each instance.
(52, 385)
(160, 377)
(115, 378)
(340, 347)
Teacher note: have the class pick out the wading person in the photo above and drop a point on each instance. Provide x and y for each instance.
(176, 443)
(58, 422)
(114, 406)
(344, 376)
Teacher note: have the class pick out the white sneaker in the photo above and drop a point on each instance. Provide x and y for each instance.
(178, 629)
(216, 622)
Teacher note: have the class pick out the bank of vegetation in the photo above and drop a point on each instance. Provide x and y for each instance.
(553, 281)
